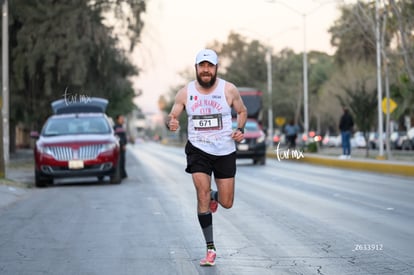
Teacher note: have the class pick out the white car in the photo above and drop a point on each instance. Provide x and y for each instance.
(331, 141)
(358, 140)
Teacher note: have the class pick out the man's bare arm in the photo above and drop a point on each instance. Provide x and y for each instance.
(238, 106)
(172, 122)
(237, 103)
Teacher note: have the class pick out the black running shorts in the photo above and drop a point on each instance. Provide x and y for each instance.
(223, 167)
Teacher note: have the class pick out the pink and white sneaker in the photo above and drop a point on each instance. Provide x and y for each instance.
(210, 258)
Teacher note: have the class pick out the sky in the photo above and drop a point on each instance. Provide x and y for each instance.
(176, 30)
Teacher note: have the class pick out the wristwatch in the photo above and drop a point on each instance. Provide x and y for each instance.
(241, 130)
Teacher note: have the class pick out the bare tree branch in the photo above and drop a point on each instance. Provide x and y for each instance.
(404, 43)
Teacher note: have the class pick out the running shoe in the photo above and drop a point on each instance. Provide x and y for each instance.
(210, 258)
(213, 206)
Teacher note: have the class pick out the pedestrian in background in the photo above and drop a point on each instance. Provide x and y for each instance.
(210, 148)
(121, 133)
(346, 126)
(291, 132)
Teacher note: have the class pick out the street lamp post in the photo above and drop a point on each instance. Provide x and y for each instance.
(305, 70)
(269, 79)
(379, 80)
(5, 82)
(269, 90)
(305, 62)
(305, 81)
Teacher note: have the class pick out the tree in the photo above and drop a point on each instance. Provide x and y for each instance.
(353, 86)
(244, 62)
(288, 84)
(127, 15)
(402, 12)
(321, 69)
(61, 47)
(352, 34)
(402, 57)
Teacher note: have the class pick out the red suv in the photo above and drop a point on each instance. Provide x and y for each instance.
(77, 141)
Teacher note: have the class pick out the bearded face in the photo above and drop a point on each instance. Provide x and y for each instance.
(206, 77)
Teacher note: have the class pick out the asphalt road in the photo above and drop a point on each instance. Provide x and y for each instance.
(288, 218)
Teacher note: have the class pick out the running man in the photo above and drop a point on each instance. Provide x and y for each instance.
(210, 148)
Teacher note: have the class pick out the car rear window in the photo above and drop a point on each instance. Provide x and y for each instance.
(76, 125)
(251, 126)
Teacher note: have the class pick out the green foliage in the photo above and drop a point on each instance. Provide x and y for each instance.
(61, 47)
(402, 91)
(348, 75)
(362, 104)
(288, 84)
(312, 147)
(247, 67)
(353, 35)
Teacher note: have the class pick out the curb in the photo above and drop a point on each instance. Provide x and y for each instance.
(378, 166)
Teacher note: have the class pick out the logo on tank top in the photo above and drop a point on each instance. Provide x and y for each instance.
(193, 97)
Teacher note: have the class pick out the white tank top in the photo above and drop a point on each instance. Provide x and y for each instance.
(209, 120)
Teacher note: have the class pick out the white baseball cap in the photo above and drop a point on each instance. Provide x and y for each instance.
(207, 55)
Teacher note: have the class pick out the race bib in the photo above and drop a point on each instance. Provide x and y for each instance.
(207, 122)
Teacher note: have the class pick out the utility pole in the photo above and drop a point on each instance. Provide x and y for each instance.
(4, 144)
(305, 61)
(269, 90)
(379, 81)
(305, 83)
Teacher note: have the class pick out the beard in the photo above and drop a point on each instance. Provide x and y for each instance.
(207, 84)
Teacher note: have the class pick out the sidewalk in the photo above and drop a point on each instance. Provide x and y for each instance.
(19, 178)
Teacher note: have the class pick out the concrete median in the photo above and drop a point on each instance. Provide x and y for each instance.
(404, 168)
(378, 166)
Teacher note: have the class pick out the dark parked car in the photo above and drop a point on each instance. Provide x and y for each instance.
(253, 145)
(77, 141)
(397, 139)
(407, 140)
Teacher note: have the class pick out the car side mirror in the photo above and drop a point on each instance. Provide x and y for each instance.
(34, 134)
